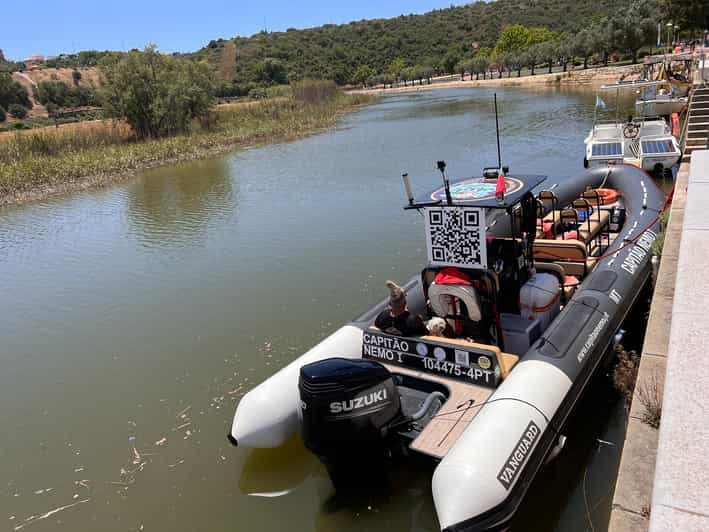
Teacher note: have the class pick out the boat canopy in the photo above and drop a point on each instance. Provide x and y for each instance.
(480, 192)
(634, 84)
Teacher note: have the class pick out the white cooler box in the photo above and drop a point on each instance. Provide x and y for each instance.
(519, 333)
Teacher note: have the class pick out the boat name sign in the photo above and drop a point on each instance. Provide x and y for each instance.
(465, 363)
(638, 252)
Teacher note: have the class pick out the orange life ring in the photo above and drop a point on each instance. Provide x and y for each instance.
(607, 196)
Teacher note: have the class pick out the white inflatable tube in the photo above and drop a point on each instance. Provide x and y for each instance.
(485, 463)
(268, 415)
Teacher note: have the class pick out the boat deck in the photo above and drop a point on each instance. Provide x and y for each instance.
(463, 404)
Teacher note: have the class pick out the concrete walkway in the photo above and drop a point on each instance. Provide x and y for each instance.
(680, 497)
(633, 490)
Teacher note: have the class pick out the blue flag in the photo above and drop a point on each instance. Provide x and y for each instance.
(600, 103)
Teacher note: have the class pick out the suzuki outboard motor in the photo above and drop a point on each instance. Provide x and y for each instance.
(345, 408)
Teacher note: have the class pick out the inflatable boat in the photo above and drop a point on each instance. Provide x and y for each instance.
(531, 285)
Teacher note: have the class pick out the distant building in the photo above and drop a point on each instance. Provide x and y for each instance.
(32, 60)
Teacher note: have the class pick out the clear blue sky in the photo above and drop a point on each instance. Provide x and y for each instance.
(51, 27)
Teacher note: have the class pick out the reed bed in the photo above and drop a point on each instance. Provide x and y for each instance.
(78, 157)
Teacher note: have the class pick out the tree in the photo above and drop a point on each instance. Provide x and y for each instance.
(475, 68)
(634, 26)
(415, 74)
(548, 52)
(515, 61)
(12, 91)
(689, 14)
(451, 60)
(54, 92)
(76, 76)
(513, 39)
(157, 94)
(605, 37)
(3, 116)
(583, 45)
(17, 111)
(405, 75)
(362, 74)
(499, 62)
(565, 52)
(482, 62)
(427, 72)
(395, 68)
(540, 35)
(270, 71)
(531, 57)
(61, 95)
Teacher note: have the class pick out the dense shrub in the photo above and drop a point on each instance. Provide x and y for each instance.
(3, 116)
(257, 93)
(157, 94)
(12, 91)
(62, 95)
(85, 58)
(270, 71)
(17, 111)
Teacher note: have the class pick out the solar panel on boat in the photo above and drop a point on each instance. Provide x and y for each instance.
(606, 149)
(657, 146)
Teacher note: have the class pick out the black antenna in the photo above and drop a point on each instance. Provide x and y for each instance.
(446, 185)
(497, 131)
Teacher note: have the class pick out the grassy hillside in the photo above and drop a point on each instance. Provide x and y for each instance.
(335, 51)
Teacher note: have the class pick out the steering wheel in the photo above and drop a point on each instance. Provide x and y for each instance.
(630, 131)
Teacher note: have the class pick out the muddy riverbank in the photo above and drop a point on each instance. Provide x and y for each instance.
(51, 162)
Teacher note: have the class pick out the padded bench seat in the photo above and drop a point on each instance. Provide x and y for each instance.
(569, 254)
(599, 220)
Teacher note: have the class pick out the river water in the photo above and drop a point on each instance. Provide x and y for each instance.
(135, 317)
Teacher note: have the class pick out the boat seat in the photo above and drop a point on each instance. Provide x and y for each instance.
(571, 255)
(549, 200)
(600, 216)
(589, 230)
(594, 220)
(439, 295)
(489, 283)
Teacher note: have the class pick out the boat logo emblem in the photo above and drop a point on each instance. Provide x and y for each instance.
(439, 353)
(476, 189)
(484, 362)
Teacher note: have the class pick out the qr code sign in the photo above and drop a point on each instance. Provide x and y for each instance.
(455, 236)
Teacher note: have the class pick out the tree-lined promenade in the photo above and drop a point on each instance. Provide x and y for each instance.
(519, 48)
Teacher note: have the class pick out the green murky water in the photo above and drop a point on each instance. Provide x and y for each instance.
(136, 316)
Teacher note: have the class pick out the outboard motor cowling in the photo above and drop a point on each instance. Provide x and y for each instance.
(345, 407)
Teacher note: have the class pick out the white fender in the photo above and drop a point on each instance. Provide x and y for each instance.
(268, 414)
(483, 466)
